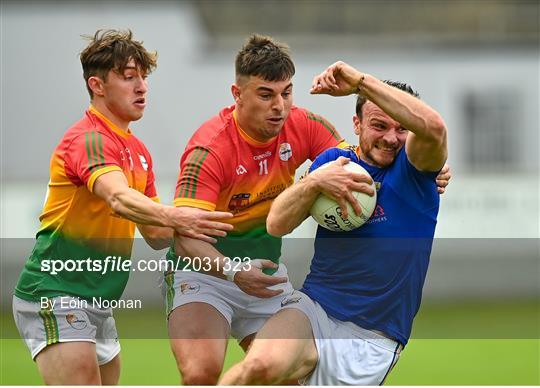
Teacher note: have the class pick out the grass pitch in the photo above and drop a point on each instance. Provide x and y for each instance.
(453, 344)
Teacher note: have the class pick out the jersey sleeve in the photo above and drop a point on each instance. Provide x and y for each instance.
(200, 180)
(416, 186)
(89, 156)
(327, 156)
(322, 134)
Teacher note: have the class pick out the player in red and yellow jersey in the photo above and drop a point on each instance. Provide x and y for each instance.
(239, 161)
(225, 169)
(101, 186)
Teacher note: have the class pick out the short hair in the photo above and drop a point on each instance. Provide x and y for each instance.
(361, 100)
(112, 50)
(261, 56)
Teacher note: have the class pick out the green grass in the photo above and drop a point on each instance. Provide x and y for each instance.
(424, 362)
(453, 344)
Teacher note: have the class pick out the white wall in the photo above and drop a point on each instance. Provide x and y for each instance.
(43, 91)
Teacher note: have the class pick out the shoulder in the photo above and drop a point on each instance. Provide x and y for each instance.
(417, 187)
(301, 117)
(332, 154)
(85, 133)
(214, 134)
(335, 152)
(134, 139)
(302, 114)
(403, 164)
(314, 117)
(306, 122)
(297, 112)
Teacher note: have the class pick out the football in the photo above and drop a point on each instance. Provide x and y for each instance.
(328, 214)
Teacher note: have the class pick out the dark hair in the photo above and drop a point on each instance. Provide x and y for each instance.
(361, 100)
(112, 50)
(263, 57)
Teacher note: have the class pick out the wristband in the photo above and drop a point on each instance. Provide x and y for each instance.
(246, 265)
(230, 273)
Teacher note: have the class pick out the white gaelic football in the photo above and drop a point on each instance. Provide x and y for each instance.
(328, 214)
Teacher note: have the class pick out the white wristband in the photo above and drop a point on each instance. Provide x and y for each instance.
(233, 270)
(230, 273)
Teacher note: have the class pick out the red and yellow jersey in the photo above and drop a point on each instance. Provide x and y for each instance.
(224, 169)
(76, 223)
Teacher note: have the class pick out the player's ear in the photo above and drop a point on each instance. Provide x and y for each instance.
(235, 90)
(356, 122)
(96, 85)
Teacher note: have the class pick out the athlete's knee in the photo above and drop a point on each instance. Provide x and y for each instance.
(196, 370)
(80, 370)
(206, 373)
(260, 370)
(85, 368)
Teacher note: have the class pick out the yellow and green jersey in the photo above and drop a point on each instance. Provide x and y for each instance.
(75, 223)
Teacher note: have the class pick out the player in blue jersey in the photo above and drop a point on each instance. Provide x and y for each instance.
(353, 315)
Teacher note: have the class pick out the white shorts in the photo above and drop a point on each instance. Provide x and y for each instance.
(348, 354)
(40, 327)
(246, 314)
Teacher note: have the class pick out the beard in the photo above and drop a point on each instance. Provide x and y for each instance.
(380, 154)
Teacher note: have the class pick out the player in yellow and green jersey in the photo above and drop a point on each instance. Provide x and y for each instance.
(101, 186)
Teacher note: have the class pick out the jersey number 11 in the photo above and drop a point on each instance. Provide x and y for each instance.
(263, 167)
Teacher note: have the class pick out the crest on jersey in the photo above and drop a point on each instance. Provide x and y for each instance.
(285, 151)
(239, 201)
(143, 162)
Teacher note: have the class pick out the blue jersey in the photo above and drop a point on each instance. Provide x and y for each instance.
(373, 276)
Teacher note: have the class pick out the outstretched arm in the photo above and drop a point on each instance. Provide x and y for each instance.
(292, 206)
(426, 144)
(113, 188)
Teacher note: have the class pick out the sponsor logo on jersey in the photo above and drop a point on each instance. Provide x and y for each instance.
(143, 162)
(263, 156)
(239, 201)
(240, 170)
(75, 321)
(285, 151)
(378, 212)
(293, 298)
(189, 288)
(378, 215)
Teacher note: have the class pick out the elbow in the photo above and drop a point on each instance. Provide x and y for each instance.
(158, 243)
(274, 227)
(115, 203)
(157, 238)
(438, 128)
